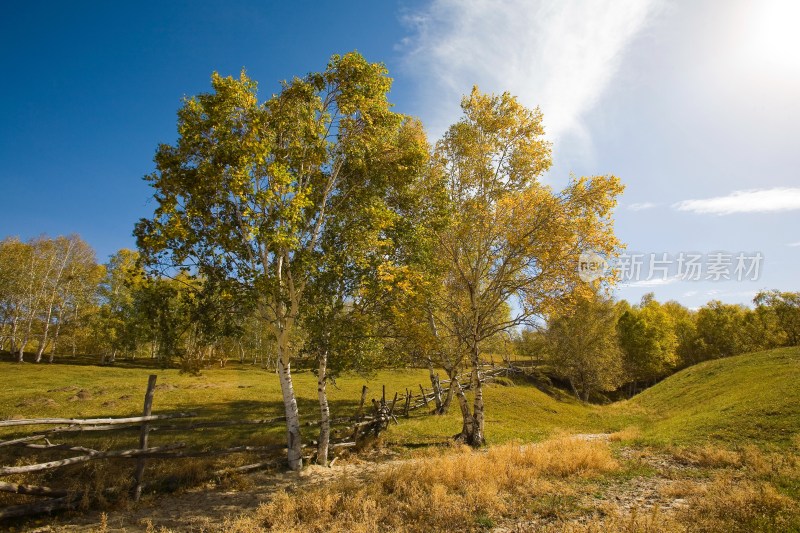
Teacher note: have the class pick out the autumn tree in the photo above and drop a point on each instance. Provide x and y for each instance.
(245, 195)
(363, 261)
(42, 283)
(648, 341)
(721, 330)
(685, 328)
(74, 293)
(118, 325)
(13, 274)
(510, 238)
(785, 307)
(583, 347)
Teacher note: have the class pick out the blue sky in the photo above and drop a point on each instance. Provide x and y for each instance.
(692, 104)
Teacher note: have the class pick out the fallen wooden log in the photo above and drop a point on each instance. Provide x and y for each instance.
(22, 440)
(66, 447)
(32, 490)
(137, 452)
(91, 421)
(46, 506)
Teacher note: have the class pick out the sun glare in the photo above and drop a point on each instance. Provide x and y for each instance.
(772, 39)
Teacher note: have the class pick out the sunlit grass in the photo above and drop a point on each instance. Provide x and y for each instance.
(751, 398)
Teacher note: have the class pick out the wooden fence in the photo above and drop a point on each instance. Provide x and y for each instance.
(346, 432)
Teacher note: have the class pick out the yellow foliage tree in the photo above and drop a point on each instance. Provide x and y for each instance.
(511, 240)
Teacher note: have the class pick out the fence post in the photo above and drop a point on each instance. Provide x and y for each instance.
(361, 403)
(148, 410)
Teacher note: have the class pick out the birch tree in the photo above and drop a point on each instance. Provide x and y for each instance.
(13, 254)
(245, 194)
(74, 288)
(584, 349)
(512, 241)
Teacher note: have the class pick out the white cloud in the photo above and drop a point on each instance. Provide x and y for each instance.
(641, 206)
(749, 201)
(558, 55)
(794, 244)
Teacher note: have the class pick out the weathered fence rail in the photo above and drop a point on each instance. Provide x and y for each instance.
(347, 430)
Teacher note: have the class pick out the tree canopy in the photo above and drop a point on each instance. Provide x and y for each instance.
(247, 194)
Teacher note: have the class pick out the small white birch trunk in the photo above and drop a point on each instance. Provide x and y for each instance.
(324, 411)
(467, 421)
(477, 438)
(449, 398)
(294, 444)
(25, 338)
(43, 338)
(56, 333)
(13, 338)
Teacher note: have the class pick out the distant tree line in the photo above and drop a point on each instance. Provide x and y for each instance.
(56, 300)
(48, 294)
(600, 346)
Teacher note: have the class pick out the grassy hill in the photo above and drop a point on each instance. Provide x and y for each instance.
(747, 398)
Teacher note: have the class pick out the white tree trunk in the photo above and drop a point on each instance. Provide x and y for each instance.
(473, 422)
(294, 444)
(324, 411)
(59, 320)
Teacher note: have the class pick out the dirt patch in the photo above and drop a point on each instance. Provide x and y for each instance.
(43, 402)
(82, 394)
(166, 386)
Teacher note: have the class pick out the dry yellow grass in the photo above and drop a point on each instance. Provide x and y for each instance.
(628, 434)
(731, 504)
(708, 457)
(537, 488)
(459, 491)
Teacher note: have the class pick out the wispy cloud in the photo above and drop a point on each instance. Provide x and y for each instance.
(558, 55)
(749, 201)
(641, 206)
(794, 244)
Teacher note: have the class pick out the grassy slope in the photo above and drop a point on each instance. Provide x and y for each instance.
(244, 392)
(748, 398)
(753, 397)
(237, 392)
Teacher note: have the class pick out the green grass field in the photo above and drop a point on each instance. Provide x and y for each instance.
(747, 398)
(751, 398)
